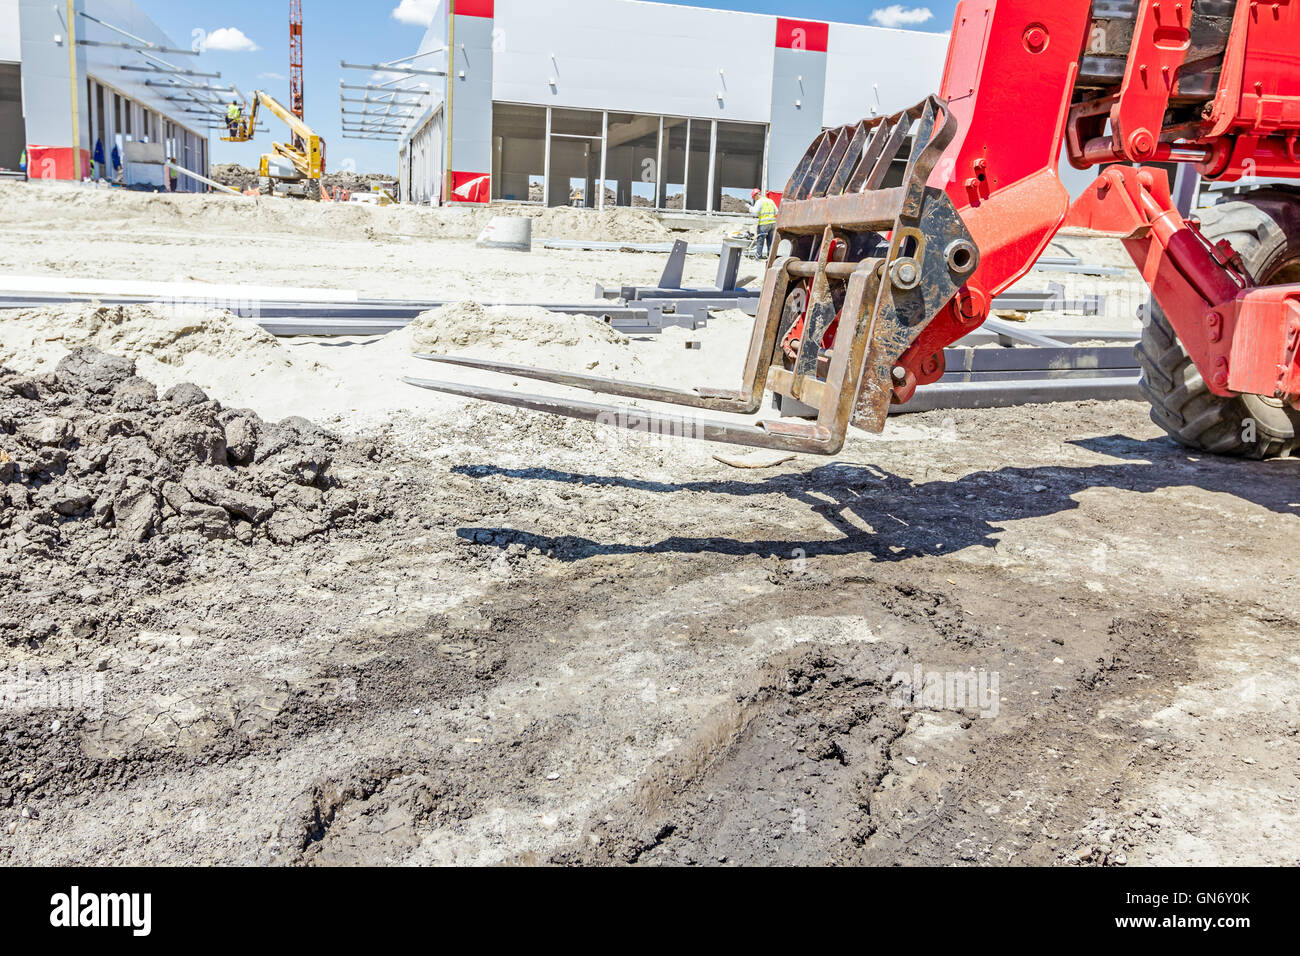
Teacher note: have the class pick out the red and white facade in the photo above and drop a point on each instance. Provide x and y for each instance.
(593, 102)
(68, 95)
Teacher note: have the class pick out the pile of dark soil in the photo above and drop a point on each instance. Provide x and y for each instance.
(356, 182)
(241, 177)
(94, 462)
(233, 175)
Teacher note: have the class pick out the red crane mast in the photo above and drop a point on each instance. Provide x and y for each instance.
(295, 58)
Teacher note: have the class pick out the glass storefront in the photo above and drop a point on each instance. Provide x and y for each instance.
(593, 159)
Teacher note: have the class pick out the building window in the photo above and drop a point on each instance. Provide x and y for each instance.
(631, 160)
(575, 150)
(672, 190)
(99, 112)
(697, 165)
(737, 165)
(518, 152)
(584, 123)
(595, 159)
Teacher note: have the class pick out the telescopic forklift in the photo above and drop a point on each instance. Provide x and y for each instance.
(871, 278)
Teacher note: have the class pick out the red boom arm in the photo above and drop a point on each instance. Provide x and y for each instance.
(1010, 82)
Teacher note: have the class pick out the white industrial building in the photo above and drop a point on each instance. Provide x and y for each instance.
(599, 102)
(87, 77)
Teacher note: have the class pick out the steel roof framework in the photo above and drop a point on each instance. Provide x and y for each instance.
(387, 106)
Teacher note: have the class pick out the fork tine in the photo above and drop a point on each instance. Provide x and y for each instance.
(715, 399)
(779, 436)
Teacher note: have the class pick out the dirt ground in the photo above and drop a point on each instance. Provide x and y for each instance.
(1043, 635)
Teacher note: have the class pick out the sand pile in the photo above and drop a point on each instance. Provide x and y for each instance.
(356, 182)
(93, 461)
(103, 208)
(240, 177)
(467, 324)
(225, 355)
(608, 225)
(219, 213)
(524, 335)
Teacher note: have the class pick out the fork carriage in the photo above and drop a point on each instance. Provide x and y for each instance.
(857, 271)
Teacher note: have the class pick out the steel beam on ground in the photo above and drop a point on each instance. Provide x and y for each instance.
(584, 245)
(378, 318)
(1061, 336)
(1023, 300)
(1083, 269)
(1005, 394)
(657, 313)
(204, 179)
(959, 361)
(1009, 330)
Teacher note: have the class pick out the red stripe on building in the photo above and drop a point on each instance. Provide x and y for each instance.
(802, 35)
(55, 162)
(470, 187)
(475, 8)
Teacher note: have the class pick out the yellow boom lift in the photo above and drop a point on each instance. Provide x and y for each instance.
(293, 169)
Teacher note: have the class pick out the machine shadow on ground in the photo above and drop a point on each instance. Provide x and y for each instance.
(910, 520)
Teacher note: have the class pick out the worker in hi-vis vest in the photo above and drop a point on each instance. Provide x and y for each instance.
(233, 114)
(765, 210)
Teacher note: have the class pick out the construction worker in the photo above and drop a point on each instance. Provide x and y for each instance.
(765, 210)
(233, 115)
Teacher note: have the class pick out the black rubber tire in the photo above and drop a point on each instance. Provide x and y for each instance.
(1264, 227)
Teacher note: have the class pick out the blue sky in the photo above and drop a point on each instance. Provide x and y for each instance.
(372, 32)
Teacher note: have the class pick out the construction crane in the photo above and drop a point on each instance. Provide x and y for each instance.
(872, 276)
(296, 99)
(292, 169)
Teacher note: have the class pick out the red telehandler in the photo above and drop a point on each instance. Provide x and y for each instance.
(871, 278)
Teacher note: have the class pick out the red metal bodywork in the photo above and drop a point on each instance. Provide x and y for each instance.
(1010, 79)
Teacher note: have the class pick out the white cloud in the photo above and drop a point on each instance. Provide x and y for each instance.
(230, 39)
(897, 15)
(418, 12)
(270, 76)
